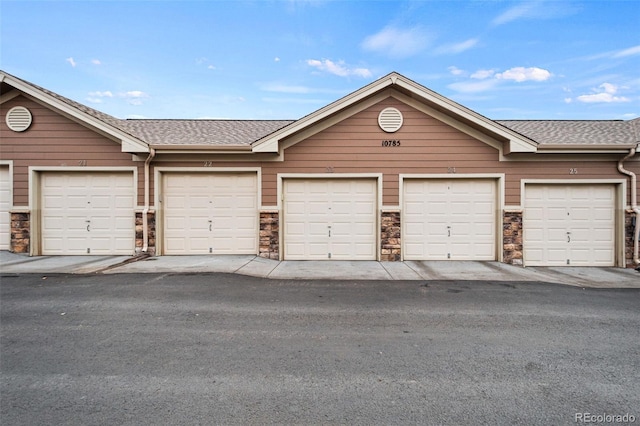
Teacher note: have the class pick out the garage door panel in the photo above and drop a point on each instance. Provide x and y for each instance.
(334, 218)
(212, 213)
(87, 213)
(449, 219)
(576, 223)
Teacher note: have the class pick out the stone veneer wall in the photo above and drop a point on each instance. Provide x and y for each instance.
(269, 234)
(390, 236)
(628, 238)
(20, 232)
(151, 222)
(512, 238)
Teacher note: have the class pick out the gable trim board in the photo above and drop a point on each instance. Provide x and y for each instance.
(437, 105)
(451, 216)
(207, 210)
(129, 142)
(6, 203)
(82, 210)
(573, 222)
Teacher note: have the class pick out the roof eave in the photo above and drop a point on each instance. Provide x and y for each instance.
(517, 142)
(585, 149)
(173, 149)
(270, 143)
(128, 142)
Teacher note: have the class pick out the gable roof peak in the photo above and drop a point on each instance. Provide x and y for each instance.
(102, 122)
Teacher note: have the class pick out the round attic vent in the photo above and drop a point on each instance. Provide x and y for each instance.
(18, 119)
(390, 120)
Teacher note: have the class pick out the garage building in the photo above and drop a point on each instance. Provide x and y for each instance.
(390, 172)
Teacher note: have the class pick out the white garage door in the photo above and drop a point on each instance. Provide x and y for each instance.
(88, 213)
(5, 205)
(569, 225)
(330, 219)
(209, 213)
(449, 219)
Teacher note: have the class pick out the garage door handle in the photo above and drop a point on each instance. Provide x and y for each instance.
(88, 225)
(568, 237)
(209, 226)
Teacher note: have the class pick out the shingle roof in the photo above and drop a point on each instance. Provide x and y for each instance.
(99, 115)
(202, 132)
(576, 132)
(597, 133)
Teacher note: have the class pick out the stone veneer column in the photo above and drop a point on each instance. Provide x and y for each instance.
(512, 237)
(269, 246)
(151, 223)
(628, 238)
(20, 232)
(390, 238)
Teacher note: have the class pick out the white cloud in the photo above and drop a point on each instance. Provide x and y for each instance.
(105, 94)
(397, 42)
(457, 47)
(535, 10)
(486, 79)
(521, 74)
(303, 101)
(283, 88)
(71, 62)
(96, 62)
(635, 50)
(276, 59)
(98, 96)
(456, 71)
(482, 74)
(134, 97)
(516, 12)
(473, 86)
(338, 68)
(605, 93)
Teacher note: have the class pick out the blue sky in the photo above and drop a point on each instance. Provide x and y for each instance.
(285, 59)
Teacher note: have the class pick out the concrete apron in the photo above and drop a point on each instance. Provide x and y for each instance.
(340, 270)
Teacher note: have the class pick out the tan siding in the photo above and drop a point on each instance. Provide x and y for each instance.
(54, 140)
(428, 146)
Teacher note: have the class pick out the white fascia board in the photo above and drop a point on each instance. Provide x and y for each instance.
(127, 142)
(517, 143)
(133, 145)
(271, 142)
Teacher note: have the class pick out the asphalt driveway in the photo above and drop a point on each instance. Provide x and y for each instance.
(229, 349)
